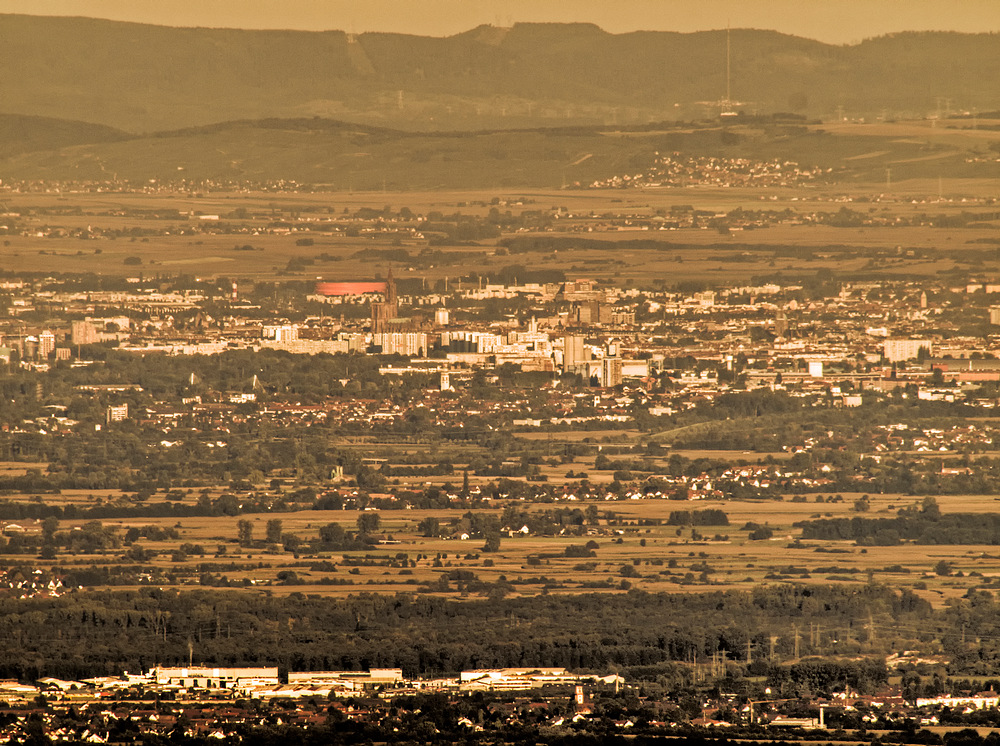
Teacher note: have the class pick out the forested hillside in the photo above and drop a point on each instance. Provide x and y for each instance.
(147, 78)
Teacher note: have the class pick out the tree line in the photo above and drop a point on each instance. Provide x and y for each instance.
(105, 632)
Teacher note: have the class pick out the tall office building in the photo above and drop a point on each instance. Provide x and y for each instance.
(897, 350)
(611, 372)
(83, 333)
(574, 351)
(46, 344)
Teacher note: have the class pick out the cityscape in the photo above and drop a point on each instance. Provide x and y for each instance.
(541, 383)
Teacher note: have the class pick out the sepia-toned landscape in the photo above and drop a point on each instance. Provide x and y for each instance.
(518, 386)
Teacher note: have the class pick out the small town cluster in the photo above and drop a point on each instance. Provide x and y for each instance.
(677, 170)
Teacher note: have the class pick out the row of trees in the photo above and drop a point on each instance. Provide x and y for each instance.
(87, 634)
(923, 525)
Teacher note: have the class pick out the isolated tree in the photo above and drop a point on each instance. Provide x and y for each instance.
(492, 541)
(332, 534)
(429, 527)
(368, 523)
(244, 532)
(273, 531)
(49, 527)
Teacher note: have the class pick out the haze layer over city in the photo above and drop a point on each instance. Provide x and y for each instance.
(499, 372)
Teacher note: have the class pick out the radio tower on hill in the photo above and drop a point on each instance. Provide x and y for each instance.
(726, 106)
(727, 103)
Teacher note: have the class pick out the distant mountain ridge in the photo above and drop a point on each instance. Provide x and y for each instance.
(143, 78)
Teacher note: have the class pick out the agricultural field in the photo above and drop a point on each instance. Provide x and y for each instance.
(604, 546)
(302, 237)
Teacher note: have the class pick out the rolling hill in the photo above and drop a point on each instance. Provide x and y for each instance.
(26, 134)
(346, 156)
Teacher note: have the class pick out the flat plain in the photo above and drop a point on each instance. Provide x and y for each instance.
(636, 548)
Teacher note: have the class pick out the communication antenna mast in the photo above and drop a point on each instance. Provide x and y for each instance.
(726, 106)
(728, 59)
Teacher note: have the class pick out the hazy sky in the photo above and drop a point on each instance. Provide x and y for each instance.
(833, 21)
